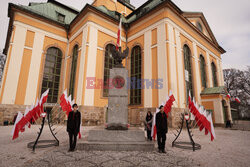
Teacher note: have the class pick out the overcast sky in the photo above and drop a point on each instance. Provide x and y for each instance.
(228, 19)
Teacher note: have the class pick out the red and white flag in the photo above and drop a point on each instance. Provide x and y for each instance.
(237, 100)
(153, 131)
(212, 133)
(118, 42)
(43, 99)
(228, 96)
(66, 105)
(16, 129)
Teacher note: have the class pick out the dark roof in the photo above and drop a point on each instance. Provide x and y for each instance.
(214, 90)
(50, 10)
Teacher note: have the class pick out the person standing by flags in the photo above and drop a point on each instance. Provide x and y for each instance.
(161, 129)
(73, 126)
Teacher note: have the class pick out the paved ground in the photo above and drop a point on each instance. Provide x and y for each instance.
(231, 148)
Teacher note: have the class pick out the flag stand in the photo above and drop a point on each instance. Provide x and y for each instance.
(185, 145)
(48, 143)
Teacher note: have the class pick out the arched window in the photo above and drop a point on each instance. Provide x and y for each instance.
(73, 71)
(51, 74)
(108, 64)
(214, 74)
(188, 71)
(203, 71)
(135, 74)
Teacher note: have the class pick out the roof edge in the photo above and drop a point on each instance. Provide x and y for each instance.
(64, 6)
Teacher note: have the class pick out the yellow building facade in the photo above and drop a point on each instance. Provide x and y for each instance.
(51, 45)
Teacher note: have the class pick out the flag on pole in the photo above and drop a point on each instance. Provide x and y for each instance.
(66, 105)
(212, 127)
(43, 99)
(237, 100)
(153, 131)
(15, 130)
(118, 42)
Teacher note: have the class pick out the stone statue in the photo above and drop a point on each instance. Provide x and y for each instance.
(118, 56)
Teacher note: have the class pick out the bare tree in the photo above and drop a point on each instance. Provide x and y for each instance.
(237, 83)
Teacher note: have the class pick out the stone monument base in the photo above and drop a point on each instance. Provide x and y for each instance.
(101, 139)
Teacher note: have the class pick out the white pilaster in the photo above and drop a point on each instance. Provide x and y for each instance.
(91, 65)
(162, 62)
(180, 69)
(81, 68)
(172, 63)
(34, 69)
(198, 75)
(9, 94)
(219, 73)
(147, 69)
(209, 73)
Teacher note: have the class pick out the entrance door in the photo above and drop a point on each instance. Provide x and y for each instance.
(224, 110)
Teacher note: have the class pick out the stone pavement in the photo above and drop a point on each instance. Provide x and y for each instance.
(231, 148)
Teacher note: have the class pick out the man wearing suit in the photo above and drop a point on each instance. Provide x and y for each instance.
(73, 126)
(161, 128)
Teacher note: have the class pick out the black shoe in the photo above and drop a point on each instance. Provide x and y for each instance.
(163, 151)
(70, 150)
(160, 151)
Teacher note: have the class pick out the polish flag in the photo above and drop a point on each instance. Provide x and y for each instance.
(169, 103)
(212, 132)
(66, 105)
(153, 131)
(237, 100)
(16, 128)
(43, 99)
(118, 43)
(27, 110)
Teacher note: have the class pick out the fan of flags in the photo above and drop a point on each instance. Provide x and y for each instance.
(167, 108)
(66, 105)
(203, 120)
(233, 98)
(31, 115)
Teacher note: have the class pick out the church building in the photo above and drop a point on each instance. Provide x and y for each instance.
(52, 45)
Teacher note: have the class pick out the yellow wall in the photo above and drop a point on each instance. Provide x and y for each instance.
(111, 5)
(154, 76)
(177, 20)
(29, 39)
(23, 77)
(39, 24)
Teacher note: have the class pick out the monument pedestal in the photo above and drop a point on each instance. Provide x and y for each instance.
(101, 139)
(117, 137)
(118, 100)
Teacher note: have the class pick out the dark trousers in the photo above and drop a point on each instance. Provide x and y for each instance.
(161, 139)
(149, 134)
(72, 141)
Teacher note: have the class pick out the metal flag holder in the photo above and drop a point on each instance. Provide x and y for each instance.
(45, 143)
(185, 145)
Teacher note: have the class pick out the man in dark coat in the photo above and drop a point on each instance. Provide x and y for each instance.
(73, 126)
(161, 128)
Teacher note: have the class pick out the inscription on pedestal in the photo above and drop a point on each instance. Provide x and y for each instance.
(118, 100)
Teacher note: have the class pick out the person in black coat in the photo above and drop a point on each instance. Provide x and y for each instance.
(161, 128)
(149, 120)
(73, 126)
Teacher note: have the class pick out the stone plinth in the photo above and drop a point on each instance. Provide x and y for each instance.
(118, 100)
(116, 140)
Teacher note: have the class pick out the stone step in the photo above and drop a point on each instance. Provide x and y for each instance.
(116, 146)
